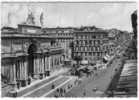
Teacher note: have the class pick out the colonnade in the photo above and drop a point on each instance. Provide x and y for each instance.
(17, 71)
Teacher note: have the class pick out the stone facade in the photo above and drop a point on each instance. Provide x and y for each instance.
(27, 52)
(63, 36)
(89, 44)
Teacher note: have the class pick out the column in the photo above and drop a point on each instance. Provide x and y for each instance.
(53, 62)
(49, 63)
(14, 76)
(46, 63)
(41, 67)
(35, 63)
(59, 62)
(26, 70)
(13, 92)
(39, 64)
(22, 73)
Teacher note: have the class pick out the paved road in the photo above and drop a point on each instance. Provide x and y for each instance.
(38, 92)
(100, 82)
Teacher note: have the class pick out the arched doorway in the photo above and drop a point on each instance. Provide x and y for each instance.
(31, 50)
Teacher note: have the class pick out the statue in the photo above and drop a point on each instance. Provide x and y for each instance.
(30, 19)
(41, 19)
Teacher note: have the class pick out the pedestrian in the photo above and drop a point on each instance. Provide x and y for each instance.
(68, 86)
(64, 91)
(29, 79)
(60, 91)
(53, 86)
(84, 93)
(57, 90)
(56, 95)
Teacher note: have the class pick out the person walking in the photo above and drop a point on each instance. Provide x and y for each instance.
(53, 86)
(84, 93)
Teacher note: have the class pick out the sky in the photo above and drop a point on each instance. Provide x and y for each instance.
(102, 15)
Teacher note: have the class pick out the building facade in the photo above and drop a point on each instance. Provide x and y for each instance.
(27, 52)
(63, 36)
(89, 44)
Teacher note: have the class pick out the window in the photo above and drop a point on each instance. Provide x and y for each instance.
(93, 36)
(85, 48)
(83, 36)
(93, 53)
(90, 42)
(98, 54)
(79, 54)
(81, 48)
(86, 42)
(88, 48)
(76, 36)
(77, 42)
(93, 48)
(83, 42)
(98, 48)
(90, 54)
(79, 37)
(98, 41)
(85, 53)
(94, 43)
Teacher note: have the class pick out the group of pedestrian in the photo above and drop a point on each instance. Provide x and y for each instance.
(60, 92)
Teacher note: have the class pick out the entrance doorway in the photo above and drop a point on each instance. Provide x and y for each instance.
(31, 50)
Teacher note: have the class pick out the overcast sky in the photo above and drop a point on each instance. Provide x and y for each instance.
(103, 15)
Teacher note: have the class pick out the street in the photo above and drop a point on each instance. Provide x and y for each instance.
(99, 82)
(63, 49)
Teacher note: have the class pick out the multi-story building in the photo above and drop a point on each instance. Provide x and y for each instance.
(28, 52)
(89, 44)
(109, 48)
(63, 36)
(118, 38)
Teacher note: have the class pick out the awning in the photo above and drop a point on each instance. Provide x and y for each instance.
(84, 62)
(90, 67)
(107, 57)
(82, 67)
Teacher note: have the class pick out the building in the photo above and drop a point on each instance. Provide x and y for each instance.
(88, 43)
(28, 52)
(63, 36)
(109, 48)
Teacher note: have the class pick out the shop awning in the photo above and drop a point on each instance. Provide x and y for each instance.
(84, 62)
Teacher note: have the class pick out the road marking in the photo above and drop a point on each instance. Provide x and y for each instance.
(56, 88)
(41, 86)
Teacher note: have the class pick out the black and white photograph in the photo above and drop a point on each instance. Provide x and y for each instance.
(71, 49)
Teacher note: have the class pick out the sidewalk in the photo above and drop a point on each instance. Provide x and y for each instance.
(39, 82)
(52, 74)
